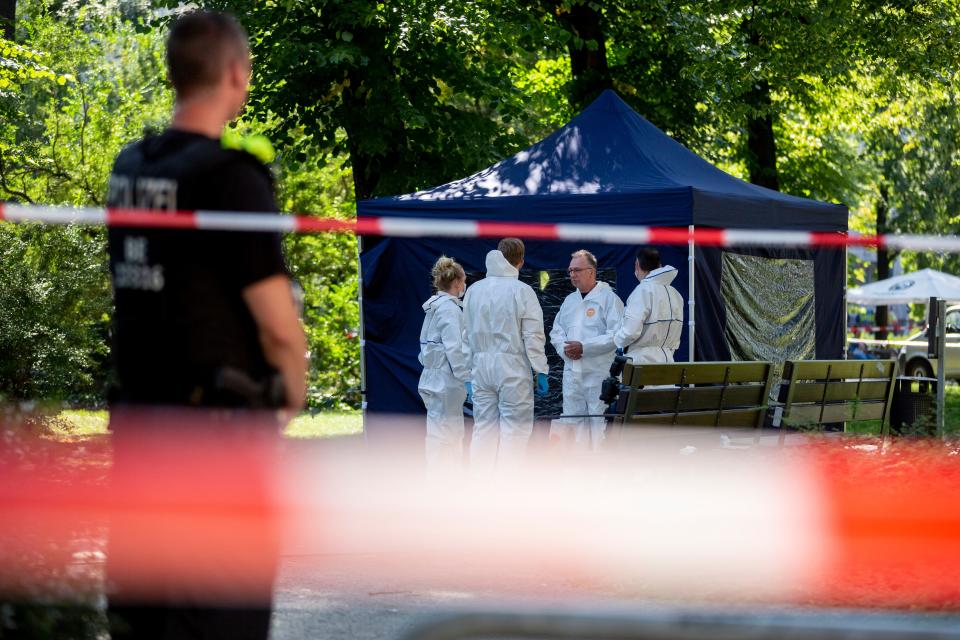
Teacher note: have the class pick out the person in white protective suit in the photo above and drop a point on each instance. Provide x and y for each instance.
(583, 336)
(444, 383)
(653, 318)
(504, 336)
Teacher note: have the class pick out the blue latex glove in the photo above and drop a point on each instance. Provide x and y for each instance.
(469, 387)
(543, 384)
(619, 351)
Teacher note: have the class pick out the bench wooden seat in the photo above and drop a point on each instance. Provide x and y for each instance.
(700, 394)
(818, 392)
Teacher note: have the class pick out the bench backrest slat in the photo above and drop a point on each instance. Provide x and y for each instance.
(816, 392)
(838, 369)
(746, 417)
(840, 391)
(816, 414)
(702, 398)
(697, 394)
(694, 373)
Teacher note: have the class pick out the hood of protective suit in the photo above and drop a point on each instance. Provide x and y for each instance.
(497, 265)
(437, 298)
(664, 275)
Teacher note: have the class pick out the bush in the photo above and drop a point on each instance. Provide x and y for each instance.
(326, 267)
(54, 313)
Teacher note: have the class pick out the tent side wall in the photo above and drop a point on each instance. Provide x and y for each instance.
(781, 212)
(775, 210)
(829, 276)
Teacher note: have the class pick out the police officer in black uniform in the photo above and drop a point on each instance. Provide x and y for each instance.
(205, 321)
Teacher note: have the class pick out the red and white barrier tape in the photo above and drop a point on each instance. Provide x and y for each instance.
(887, 343)
(895, 328)
(432, 227)
(195, 510)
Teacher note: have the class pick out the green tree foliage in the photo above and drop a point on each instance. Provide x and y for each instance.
(326, 268)
(109, 88)
(91, 83)
(916, 153)
(420, 88)
(54, 313)
(630, 46)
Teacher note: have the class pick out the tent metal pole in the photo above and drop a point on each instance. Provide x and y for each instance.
(845, 308)
(691, 299)
(363, 343)
(941, 363)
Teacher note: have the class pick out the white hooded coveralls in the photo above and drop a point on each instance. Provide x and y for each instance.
(653, 319)
(590, 320)
(504, 337)
(445, 370)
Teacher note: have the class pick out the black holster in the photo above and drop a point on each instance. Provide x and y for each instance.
(266, 393)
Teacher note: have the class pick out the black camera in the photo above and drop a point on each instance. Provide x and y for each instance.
(611, 386)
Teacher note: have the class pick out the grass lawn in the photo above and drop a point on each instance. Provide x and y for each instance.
(951, 421)
(81, 423)
(327, 424)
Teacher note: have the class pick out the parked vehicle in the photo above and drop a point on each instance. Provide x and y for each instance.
(913, 355)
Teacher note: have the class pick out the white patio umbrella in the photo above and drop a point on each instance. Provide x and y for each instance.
(918, 286)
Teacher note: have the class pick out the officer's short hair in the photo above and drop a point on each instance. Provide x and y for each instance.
(199, 46)
(512, 250)
(649, 258)
(589, 257)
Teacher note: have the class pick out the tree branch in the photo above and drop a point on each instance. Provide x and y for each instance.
(4, 184)
(83, 145)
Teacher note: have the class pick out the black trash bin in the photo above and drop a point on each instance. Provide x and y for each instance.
(913, 408)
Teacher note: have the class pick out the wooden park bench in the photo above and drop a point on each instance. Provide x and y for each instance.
(818, 392)
(699, 394)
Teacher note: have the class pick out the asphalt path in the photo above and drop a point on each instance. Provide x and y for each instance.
(370, 596)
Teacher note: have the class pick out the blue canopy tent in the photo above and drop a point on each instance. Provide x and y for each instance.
(607, 166)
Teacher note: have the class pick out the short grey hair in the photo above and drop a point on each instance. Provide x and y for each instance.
(589, 257)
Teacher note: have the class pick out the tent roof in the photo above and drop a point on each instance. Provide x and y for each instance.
(918, 286)
(606, 159)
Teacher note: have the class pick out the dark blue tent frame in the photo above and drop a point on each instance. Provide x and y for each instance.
(607, 166)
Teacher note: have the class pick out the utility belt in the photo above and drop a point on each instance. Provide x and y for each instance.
(225, 387)
(268, 392)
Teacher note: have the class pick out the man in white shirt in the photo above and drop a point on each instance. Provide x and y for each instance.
(583, 336)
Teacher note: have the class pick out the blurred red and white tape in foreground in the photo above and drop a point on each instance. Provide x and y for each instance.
(444, 228)
(192, 511)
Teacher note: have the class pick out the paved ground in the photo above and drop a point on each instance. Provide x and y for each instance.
(321, 597)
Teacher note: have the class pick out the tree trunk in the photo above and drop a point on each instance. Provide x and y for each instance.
(364, 180)
(882, 317)
(370, 170)
(761, 143)
(588, 62)
(8, 18)
(367, 167)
